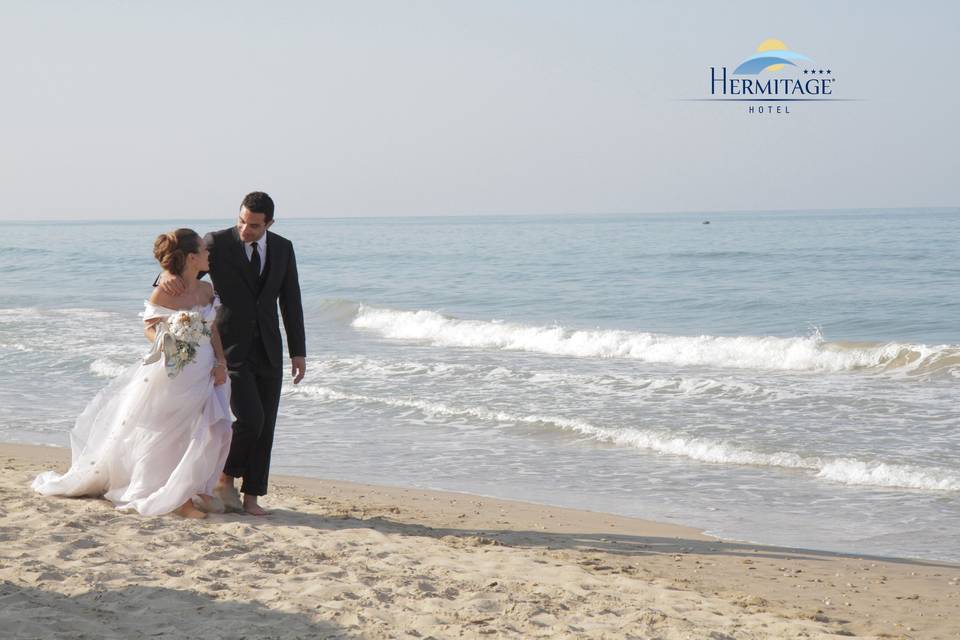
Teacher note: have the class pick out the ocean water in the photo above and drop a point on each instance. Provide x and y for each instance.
(783, 378)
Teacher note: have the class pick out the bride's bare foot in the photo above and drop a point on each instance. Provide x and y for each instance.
(187, 510)
(250, 506)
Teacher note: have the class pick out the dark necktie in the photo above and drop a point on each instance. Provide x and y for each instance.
(255, 260)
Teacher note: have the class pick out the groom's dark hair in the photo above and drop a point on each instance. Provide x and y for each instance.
(258, 202)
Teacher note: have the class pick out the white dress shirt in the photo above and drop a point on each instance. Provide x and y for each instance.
(261, 247)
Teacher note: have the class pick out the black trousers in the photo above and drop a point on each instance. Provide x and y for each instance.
(254, 398)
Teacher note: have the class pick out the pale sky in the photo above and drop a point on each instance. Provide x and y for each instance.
(354, 108)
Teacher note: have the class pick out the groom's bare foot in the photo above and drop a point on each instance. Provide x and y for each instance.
(250, 506)
(187, 510)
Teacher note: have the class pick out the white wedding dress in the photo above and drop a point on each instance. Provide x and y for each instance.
(149, 442)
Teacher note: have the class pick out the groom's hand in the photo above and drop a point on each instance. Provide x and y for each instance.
(171, 285)
(298, 368)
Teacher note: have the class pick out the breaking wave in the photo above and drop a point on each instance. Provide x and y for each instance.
(808, 353)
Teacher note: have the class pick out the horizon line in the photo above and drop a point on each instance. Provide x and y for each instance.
(506, 215)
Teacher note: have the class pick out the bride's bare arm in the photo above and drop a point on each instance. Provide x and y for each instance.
(150, 328)
(220, 368)
(160, 298)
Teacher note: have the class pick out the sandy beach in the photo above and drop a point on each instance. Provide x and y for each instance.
(343, 560)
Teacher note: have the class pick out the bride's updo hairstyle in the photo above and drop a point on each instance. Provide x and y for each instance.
(171, 249)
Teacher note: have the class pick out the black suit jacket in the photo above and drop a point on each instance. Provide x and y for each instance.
(249, 306)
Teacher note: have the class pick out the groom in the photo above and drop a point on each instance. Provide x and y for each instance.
(254, 269)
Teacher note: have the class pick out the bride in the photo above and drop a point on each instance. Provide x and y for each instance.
(159, 434)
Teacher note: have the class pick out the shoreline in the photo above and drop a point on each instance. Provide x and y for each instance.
(368, 540)
(633, 524)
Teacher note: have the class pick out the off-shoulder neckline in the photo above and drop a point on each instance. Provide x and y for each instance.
(160, 306)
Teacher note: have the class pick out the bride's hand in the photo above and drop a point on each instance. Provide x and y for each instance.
(219, 373)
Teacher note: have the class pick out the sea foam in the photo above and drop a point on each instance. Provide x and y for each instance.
(849, 471)
(807, 353)
(369, 368)
(106, 369)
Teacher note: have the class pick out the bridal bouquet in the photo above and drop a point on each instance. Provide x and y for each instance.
(187, 329)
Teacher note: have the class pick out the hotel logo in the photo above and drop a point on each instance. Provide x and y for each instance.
(772, 79)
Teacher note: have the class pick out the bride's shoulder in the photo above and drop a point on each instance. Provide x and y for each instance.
(161, 299)
(157, 306)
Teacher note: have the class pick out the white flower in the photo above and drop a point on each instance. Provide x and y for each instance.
(187, 328)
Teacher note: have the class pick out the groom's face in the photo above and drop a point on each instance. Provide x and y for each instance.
(252, 226)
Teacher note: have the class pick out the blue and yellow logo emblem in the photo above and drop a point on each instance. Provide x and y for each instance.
(774, 74)
(772, 55)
